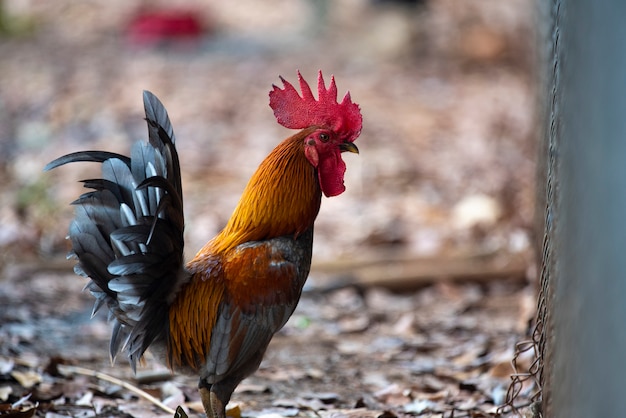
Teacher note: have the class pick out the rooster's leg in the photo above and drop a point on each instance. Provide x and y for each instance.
(213, 407)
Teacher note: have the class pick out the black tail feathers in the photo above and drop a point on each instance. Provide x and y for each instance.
(127, 234)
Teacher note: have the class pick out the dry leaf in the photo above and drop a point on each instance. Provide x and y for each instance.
(419, 406)
(5, 391)
(27, 379)
(233, 410)
(350, 413)
(6, 365)
(245, 387)
(22, 411)
(393, 395)
(85, 400)
(180, 413)
(22, 408)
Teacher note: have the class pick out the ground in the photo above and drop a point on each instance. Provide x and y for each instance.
(423, 271)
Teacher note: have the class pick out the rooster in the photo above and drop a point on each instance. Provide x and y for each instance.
(215, 315)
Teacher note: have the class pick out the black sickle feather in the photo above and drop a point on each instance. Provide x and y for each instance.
(89, 156)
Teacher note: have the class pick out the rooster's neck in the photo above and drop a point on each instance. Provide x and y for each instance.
(282, 198)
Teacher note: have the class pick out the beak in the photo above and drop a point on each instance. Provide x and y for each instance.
(348, 146)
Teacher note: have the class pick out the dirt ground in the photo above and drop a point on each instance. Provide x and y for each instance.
(423, 279)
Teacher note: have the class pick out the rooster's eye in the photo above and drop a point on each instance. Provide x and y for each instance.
(324, 137)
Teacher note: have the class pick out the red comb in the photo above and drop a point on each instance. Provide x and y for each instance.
(295, 112)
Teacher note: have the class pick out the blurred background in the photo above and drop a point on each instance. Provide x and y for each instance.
(443, 188)
(448, 144)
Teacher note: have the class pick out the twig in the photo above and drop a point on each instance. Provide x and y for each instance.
(92, 373)
(405, 273)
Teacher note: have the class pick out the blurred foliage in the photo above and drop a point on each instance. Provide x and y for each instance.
(13, 24)
(35, 203)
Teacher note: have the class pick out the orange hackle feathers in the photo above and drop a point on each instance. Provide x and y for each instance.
(281, 198)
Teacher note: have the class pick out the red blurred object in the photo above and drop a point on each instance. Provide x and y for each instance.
(215, 315)
(164, 25)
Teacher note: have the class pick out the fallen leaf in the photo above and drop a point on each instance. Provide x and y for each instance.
(6, 365)
(326, 397)
(501, 369)
(99, 404)
(233, 410)
(5, 391)
(354, 324)
(252, 388)
(85, 400)
(285, 403)
(475, 210)
(281, 411)
(52, 368)
(27, 379)
(393, 395)
(22, 411)
(46, 391)
(419, 406)
(23, 408)
(350, 413)
(180, 413)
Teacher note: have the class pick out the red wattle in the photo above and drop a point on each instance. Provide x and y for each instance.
(330, 170)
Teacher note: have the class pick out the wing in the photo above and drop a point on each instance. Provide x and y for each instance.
(263, 285)
(127, 233)
(263, 282)
(223, 320)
